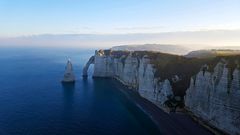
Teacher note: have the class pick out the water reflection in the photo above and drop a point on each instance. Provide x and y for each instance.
(68, 96)
(85, 81)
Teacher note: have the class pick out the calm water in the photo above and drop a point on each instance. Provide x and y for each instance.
(34, 102)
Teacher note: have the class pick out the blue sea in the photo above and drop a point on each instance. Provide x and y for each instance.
(34, 102)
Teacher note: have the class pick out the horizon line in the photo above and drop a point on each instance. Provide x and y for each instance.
(130, 33)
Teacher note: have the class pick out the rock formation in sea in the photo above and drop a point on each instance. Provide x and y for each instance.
(209, 88)
(68, 75)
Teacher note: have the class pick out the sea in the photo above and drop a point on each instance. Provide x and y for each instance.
(33, 101)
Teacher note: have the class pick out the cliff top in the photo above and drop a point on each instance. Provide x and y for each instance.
(171, 49)
(212, 53)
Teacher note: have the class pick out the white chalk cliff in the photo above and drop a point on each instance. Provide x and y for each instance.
(69, 75)
(133, 72)
(209, 96)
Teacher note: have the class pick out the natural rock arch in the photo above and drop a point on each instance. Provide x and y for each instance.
(85, 69)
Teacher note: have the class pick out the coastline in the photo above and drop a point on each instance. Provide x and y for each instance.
(156, 78)
(204, 124)
(167, 123)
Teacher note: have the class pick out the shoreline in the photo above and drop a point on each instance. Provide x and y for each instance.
(204, 124)
(167, 123)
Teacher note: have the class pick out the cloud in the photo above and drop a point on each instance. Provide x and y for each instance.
(140, 28)
(193, 39)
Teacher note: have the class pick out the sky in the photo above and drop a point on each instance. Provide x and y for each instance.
(108, 17)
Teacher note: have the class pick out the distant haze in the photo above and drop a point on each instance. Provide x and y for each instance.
(172, 49)
(190, 39)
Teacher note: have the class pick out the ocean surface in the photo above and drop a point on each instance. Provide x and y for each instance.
(34, 102)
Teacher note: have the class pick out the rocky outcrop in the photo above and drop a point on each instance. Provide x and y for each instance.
(215, 97)
(85, 69)
(68, 75)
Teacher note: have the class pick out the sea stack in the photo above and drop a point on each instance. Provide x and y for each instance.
(69, 76)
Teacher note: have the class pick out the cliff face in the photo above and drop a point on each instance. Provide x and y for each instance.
(134, 72)
(212, 89)
(215, 97)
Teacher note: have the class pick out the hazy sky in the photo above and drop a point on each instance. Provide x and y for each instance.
(28, 17)
(105, 23)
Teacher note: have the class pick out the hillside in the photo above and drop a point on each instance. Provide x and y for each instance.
(171, 49)
(212, 53)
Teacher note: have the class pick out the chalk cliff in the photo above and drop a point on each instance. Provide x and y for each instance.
(133, 71)
(215, 97)
(68, 75)
(210, 88)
